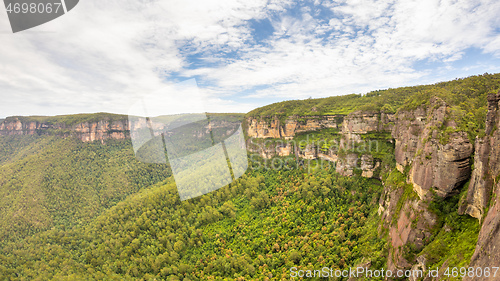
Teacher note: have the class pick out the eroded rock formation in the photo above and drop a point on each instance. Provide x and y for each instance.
(439, 157)
(292, 126)
(485, 180)
(352, 127)
(86, 131)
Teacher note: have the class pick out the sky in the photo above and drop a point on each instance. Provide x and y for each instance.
(103, 56)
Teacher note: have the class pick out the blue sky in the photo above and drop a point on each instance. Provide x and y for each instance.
(103, 55)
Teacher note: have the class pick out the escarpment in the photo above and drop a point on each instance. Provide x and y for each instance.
(102, 127)
(435, 159)
(432, 157)
(486, 163)
(85, 131)
(346, 147)
(291, 126)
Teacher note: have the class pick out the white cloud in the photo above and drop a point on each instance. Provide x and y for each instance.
(373, 44)
(103, 54)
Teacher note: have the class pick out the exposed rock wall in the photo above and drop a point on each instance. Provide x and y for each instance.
(291, 127)
(480, 183)
(361, 122)
(351, 128)
(86, 132)
(407, 128)
(487, 252)
(486, 163)
(431, 159)
(419, 142)
(358, 122)
(104, 129)
(413, 226)
(485, 180)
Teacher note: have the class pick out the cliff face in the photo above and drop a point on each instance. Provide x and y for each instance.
(358, 122)
(426, 143)
(110, 128)
(433, 155)
(291, 127)
(437, 159)
(485, 180)
(486, 163)
(351, 128)
(412, 227)
(86, 131)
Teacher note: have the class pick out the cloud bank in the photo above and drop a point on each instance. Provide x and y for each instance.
(102, 55)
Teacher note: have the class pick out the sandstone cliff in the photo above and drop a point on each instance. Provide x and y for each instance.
(480, 197)
(433, 155)
(486, 163)
(108, 126)
(292, 126)
(436, 159)
(350, 128)
(85, 131)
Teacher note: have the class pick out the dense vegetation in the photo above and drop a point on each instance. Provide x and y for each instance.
(50, 181)
(256, 228)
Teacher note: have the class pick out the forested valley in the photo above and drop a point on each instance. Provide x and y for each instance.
(89, 210)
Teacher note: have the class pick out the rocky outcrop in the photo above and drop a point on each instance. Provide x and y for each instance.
(368, 166)
(409, 225)
(406, 132)
(258, 128)
(480, 183)
(439, 156)
(362, 122)
(347, 164)
(484, 180)
(441, 166)
(413, 227)
(486, 163)
(486, 253)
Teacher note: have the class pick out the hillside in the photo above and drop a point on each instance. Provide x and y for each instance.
(252, 229)
(48, 181)
(396, 179)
